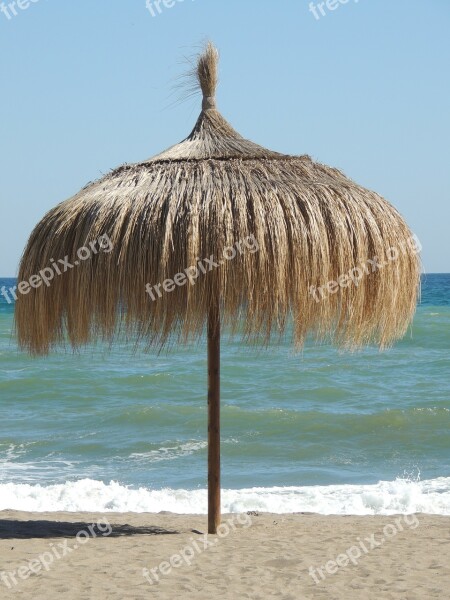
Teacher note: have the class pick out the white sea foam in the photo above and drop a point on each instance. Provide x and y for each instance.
(29, 470)
(384, 498)
(171, 452)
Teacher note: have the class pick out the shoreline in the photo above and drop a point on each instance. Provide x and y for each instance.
(255, 555)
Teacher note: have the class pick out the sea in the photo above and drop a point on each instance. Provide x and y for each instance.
(324, 431)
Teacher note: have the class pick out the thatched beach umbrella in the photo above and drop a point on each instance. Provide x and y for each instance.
(218, 231)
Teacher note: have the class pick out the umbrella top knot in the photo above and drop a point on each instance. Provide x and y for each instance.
(207, 75)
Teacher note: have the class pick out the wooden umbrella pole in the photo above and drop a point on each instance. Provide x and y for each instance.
(213, 418)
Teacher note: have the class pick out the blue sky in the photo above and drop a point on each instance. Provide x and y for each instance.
(90, 85)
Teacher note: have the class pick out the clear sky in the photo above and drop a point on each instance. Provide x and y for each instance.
(365, 87)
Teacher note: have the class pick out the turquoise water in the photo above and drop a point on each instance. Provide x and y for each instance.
(323, 430)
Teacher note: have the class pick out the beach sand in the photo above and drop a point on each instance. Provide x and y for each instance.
(256, 556)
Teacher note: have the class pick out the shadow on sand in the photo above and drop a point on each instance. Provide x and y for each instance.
(13, 529)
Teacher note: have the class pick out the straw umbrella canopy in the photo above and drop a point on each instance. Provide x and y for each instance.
(218, 231)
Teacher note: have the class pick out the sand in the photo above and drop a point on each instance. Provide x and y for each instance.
(256, 556)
